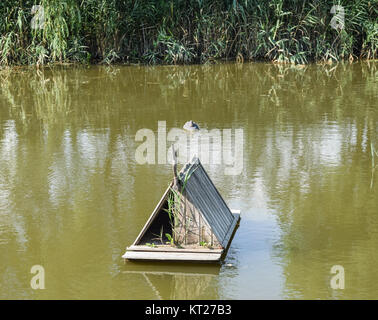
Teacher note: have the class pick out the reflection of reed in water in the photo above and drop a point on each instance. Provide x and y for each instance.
(190, 287)
(77, 95)
(374, 154)
(51, 100)
(42, 95)
(181, 286)
(52, 96)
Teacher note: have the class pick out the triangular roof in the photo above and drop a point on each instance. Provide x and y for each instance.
(202, 195)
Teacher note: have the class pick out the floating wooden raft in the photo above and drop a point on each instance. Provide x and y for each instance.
(202, 226)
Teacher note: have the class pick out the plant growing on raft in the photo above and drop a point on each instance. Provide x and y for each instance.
(152, 245)
(159, 236)
(170, 239)
(174, 210)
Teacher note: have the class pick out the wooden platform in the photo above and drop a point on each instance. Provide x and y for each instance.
(169, 253)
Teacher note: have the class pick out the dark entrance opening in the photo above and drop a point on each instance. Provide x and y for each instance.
(160, 226)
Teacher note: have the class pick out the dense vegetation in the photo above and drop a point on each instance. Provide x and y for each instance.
(185, 31)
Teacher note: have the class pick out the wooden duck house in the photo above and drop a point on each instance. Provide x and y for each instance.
(191, 222)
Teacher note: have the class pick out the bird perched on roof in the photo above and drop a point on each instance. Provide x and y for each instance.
(191, 126)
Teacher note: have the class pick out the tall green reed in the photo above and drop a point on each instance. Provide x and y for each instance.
(185, 31)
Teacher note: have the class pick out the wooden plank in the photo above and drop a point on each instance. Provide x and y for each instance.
(153, 215)
(171, 256)
(165, 273)
(172, 249)
(161, 266)
(231, 230)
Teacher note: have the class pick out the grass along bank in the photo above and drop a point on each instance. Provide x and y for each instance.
(184, 31)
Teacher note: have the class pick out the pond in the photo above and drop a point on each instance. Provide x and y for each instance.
(73, 195)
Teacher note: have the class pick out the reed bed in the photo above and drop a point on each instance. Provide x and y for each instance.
(184, 31)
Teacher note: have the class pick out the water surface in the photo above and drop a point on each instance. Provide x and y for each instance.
(72, 196)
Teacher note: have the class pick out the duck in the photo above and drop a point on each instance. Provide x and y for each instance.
(191, 126)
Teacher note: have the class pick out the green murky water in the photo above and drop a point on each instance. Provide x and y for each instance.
(72, 196)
